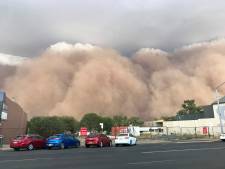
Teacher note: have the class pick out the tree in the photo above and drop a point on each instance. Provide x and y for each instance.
(120, 121)
(189, 107)
(91, 121)
(108, 123)
(168, 118)
(47, 126)
(70, 124)
(136, 121)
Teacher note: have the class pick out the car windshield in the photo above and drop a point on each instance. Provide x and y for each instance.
(55, 136)
(123, 134)
(92, 135)
(20, 137)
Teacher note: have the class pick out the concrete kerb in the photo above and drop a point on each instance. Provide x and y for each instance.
(5, 147)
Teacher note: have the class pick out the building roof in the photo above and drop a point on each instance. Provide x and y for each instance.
(206, 113)
(221, 100)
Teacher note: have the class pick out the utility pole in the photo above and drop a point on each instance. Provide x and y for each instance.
(101, 124)
(218, 106)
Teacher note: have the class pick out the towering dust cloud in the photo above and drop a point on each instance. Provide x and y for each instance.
(76, 79)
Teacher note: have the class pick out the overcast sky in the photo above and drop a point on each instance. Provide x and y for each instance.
(28, 27)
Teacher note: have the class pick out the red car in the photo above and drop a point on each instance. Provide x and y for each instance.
(99, 140)
(28, 142)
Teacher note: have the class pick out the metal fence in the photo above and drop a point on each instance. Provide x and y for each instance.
(185, 132)
(213, 131)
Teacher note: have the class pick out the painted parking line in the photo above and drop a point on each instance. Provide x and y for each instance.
(150, 162)
(183, 150)
(24, 160)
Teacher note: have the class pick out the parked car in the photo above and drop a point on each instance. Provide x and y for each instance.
(125, 139)
(222, 137)
(62, 141)
(28, 142)
(100, 140)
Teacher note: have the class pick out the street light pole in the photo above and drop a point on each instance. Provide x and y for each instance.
(218, 106)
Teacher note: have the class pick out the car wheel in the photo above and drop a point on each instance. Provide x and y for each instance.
(110, 144)
(86, 145)
(78, 144)
(130, 142)
(30, 147)
(16, 149)
(62, 146)
(116, 145)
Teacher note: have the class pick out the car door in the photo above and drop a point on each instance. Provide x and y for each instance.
(101, 137)
(40, 141)
(72, 141)
(34, 141)
(106, 141)
(65, 140)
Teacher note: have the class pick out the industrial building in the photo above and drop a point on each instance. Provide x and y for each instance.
(207, 122)
(13, 120)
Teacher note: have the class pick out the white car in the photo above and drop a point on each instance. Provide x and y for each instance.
(125, 139)
(222, 137)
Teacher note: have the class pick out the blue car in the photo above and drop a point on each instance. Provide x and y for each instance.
(62, 141)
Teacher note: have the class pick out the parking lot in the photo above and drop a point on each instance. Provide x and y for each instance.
(157, 156)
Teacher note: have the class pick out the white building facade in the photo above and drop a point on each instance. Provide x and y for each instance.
(201, 126)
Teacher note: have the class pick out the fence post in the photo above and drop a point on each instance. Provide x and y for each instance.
(195, 132)
(1, 141)
(167, 133)
(208, 132)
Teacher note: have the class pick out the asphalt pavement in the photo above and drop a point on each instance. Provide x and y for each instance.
(204, 155)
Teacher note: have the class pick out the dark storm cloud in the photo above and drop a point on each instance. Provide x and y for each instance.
(28, 27)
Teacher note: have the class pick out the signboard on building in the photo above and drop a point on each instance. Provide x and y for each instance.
(4, 115)
(119, 129)
(83, 131)
(205, 130)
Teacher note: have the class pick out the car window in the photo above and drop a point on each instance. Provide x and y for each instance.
(123, 134)
(131, 135)
(71, 137)
(38, 137)
(54, 137)
(20, 137)
(34, 137)
(92, 135)
(66, 137)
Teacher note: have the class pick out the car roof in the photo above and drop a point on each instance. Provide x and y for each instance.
(28, 135)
